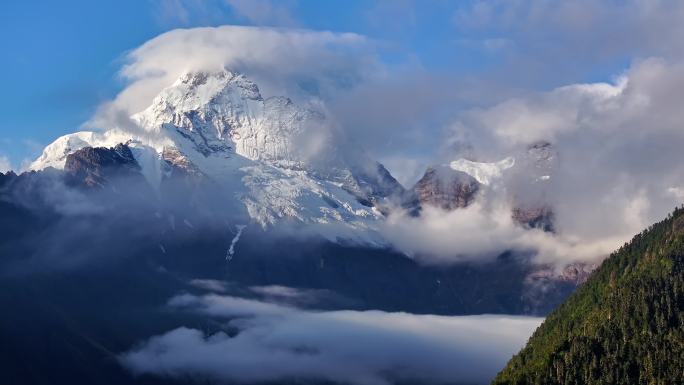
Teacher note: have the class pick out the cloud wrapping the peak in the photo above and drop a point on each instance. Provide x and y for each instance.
(288, 62)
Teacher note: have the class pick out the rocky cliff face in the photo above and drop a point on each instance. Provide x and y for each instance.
(535, 217)
(446, 188)
(524, 179)
(96, 167)
(545, 283)
(530, 187)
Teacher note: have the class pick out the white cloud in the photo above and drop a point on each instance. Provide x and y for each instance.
(172, 11)
(372, 347)
(282, 62)
(677, 192)
(560, 41)
(210, 285)
(263, 12)
(175, 13)
(481, 232)
(293, 295)
(211, 12)
(542, 116)
(5, 164)
(632, 26)
(407, 170)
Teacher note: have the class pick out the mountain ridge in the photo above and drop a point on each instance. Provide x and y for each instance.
(625, 325)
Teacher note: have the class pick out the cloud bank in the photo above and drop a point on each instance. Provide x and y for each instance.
(619, 169)
(276, 343)
(483, 231)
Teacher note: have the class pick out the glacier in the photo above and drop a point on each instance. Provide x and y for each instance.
(484, 172)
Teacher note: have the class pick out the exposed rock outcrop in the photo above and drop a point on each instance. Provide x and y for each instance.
(540, 217)
(97, 166)
(445, 188)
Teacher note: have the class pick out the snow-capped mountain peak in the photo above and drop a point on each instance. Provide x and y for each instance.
(218, 125)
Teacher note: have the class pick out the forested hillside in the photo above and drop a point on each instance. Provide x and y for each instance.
(624, 326)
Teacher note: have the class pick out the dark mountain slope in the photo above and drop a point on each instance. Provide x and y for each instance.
(86, 270)
(624, 326)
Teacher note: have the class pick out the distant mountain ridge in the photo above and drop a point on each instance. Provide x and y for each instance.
(523, 178)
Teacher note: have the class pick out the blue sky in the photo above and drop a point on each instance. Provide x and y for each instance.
(61, 58)
(60, 63)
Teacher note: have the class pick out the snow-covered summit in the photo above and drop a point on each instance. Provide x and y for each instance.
(55, 154)
(223, 110)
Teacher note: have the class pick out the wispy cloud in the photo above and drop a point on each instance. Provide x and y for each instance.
(187, 13)
(559, 40)
(264, 12)
(5, 164)
(281, 61)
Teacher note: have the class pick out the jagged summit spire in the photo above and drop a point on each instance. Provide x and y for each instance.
(215, 82)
